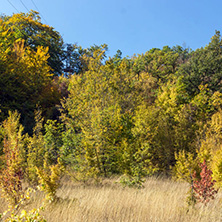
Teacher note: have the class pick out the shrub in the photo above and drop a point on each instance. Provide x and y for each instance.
(216, 166)
(16, 213)
(185, 166)
(12, 173)
(49, 178)
(35, 150)
(204, 188)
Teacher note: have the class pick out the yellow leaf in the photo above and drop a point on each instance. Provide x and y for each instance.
(23, 214)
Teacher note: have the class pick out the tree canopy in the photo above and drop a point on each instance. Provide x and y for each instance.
(104, 116)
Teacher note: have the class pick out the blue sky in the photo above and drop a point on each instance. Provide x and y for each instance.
(133, 26)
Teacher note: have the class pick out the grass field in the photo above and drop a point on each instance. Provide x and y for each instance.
(161, 200)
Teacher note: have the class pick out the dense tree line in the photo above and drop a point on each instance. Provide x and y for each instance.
(158, 112)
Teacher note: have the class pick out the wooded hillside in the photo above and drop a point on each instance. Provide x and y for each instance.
(63, 106)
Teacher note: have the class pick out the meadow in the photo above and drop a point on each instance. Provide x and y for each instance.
(160, 200)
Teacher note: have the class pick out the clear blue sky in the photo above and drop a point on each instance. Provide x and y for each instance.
(133, 26)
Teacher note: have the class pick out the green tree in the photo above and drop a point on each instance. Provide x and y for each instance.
(203, 67)
(160, 64)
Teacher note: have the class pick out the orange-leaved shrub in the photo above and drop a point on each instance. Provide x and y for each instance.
(204, 188)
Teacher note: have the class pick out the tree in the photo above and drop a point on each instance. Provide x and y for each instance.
(26, 82)
(99, 108)
(203, 67)
(28, 27)
(160, 64)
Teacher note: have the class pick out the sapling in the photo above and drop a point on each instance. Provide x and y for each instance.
(49, 178)
(11, 174)
(204, 188)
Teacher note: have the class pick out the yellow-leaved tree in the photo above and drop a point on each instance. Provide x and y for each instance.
(100, 109)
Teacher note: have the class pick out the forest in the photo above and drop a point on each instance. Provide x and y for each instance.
(68, 111)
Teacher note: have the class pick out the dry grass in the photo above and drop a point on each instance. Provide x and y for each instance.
(160, 200)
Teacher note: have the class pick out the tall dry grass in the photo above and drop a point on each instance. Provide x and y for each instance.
(160, 200)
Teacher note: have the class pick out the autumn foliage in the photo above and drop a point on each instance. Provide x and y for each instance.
(158, 113)
(204, 188)
(12, 173)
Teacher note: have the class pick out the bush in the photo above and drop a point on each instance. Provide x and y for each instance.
(185, 166)
(204, 188)
(12, 173)
(15, 213)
